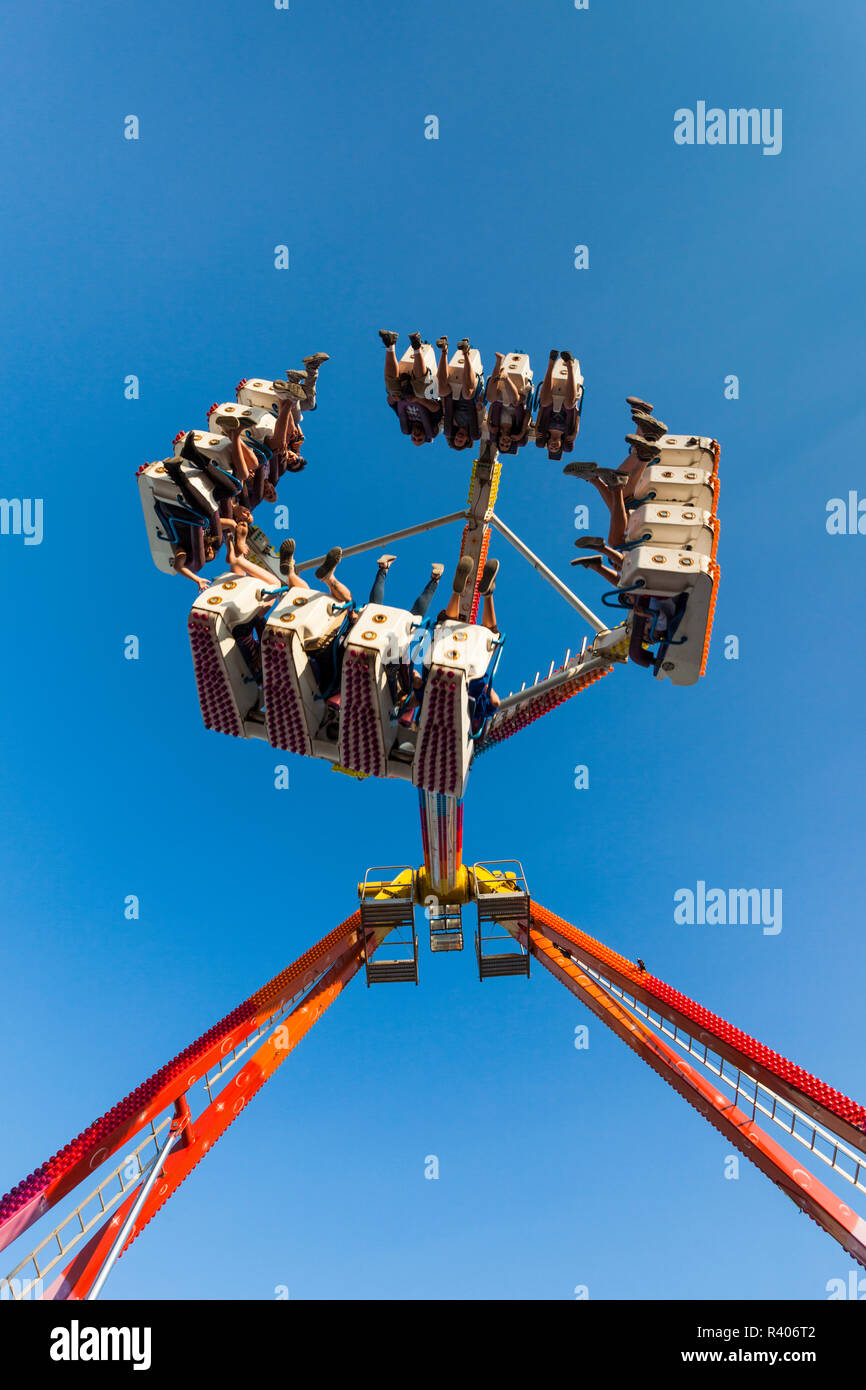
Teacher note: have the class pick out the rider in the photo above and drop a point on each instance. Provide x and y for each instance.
(462, 414)
(451, 613)
(508, 413)
(616, 486)
(556, 426)
(420, 415)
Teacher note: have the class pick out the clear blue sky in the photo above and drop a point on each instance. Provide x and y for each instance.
(155, 257)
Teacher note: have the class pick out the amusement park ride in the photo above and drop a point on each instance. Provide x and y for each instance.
(125, 1166)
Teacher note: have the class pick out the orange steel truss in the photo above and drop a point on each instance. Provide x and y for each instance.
(279, 1015)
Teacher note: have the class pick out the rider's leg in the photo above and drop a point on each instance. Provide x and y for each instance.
(545, 396)
(462, 575)
(377, 593)
(470, 380)
(442, 369)
(425, 598)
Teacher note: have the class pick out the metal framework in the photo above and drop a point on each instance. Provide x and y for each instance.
(737, 1084)
(120, 1171)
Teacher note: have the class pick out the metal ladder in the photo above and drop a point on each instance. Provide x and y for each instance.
(502, 899)
(446, 928)
(388, 909)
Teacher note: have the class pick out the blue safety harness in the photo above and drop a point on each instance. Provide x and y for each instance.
(481, 709)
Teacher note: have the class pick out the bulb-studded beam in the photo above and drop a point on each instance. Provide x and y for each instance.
(538, 701)
(76, 1161)
(822, 1205)
(483, 487)
(207, 1128)
(814, 1097)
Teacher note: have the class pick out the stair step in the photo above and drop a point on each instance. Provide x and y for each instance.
(511, 963)
(387, 972)
(446, 941)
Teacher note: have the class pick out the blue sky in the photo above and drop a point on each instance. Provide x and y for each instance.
(558, 1168)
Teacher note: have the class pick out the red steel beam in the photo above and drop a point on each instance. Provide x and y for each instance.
(804, 1189)
(79, 1275)
(814, 1097)
(42, 1189)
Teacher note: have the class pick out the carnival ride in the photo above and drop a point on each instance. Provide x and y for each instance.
(167, 1125)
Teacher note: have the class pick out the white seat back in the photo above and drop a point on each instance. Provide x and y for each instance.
(227, 691)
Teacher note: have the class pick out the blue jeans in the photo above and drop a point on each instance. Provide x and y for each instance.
(422, 602)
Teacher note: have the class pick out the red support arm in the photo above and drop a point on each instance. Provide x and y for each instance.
(36, 1194)
(814, 1097)
(804, 1189)
(79, 1275)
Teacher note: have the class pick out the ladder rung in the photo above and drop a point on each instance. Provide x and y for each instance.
(386, 972)
(512, 963)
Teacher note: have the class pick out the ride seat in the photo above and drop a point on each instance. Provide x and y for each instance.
(516, 366)
(667, 572)
(460, 652)
(693, 487)
(455, 369)
(688, 451)
(682, 660)
(259, 392)
(662, 570)
(301, 622)
(559, 382)
(215, 446)
(259, 421)
(428, 357)
(227, 692)
(670, 524)
(155, 486)
(378, 639)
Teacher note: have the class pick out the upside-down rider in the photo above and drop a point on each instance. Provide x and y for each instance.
(419, 413)
(508, 413)
(556, 426)
(617, 486)
(652, 616)
(451, 613)
(463, 413)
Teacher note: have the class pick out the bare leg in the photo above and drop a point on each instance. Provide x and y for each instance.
(634, 467)
(296, 434)
(470, 380)
(509, 387)
(492, 391)
(442, 373)
(614, 500)
(239, 564)
(452, 611)
(488, 614)
(419, 371)
(616, 557)
(604, 570)
(284, 429)
(392, 366)
(618, 517)
(338, 590)
(545, 396)
(244, 461)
